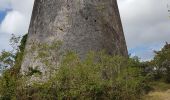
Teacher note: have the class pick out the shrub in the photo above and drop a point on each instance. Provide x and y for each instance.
(8, 86)
(99, 76)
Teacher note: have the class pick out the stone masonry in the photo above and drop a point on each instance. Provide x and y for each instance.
(72, 25)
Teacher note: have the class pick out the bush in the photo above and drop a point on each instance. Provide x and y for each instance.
(8, 86)
(97, 77)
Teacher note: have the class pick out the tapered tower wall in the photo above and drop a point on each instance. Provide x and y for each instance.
(76, 25)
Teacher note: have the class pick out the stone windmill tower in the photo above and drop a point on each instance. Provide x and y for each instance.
(77, 25)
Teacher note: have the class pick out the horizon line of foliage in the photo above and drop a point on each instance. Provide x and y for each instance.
(98, 77)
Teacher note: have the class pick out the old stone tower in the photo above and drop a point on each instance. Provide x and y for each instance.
(58, 26)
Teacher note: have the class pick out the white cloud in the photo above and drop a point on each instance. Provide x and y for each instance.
(4, 4)
(23, 6)
(145, 21)
(14, 23)
(16, 20)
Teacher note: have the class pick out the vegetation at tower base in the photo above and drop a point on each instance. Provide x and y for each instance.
(98, 77)
(112, 78)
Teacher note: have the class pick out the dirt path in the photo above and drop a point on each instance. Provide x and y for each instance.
(158, 95)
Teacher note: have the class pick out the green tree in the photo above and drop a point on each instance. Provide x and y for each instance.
(161, 63)
(11, 62)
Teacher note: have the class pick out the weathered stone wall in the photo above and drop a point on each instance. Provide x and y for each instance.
(79, 25)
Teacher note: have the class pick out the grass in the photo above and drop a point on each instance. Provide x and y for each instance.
(158, 95)
(160, 86)
(161, 91)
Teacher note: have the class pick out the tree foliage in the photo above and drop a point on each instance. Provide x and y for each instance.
(98, 77)
(161, 63)
(11, 63)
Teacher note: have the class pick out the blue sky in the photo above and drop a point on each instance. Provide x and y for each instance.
(2, 15)
(146, 23)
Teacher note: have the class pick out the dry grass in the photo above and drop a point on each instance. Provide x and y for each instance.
(161, 92)
(158, 95)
